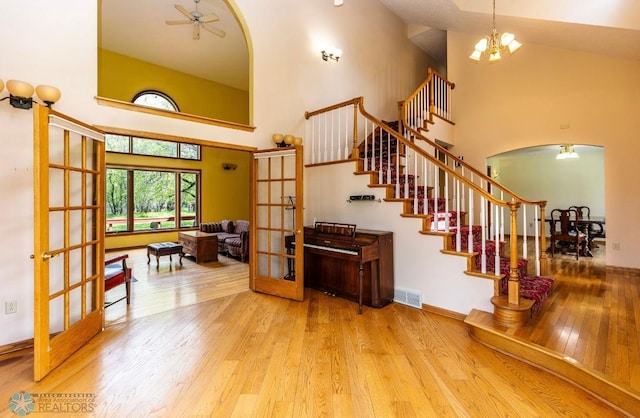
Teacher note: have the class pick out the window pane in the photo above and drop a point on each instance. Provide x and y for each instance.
(156, 99)
(155, 147)
(189, 151)
(116, 200)
(117, 143)
(188, 199)
(154, 199)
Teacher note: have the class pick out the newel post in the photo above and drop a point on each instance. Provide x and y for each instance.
(514, 280)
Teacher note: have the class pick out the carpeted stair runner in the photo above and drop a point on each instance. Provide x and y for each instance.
(536, 288)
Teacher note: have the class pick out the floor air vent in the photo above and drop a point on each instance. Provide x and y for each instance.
(408, 297)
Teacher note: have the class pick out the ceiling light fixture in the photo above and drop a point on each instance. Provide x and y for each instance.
(567, 151)
(494, 43)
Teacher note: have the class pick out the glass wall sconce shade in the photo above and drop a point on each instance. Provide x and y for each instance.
(282, 141)
(48, 94)
(20, 93)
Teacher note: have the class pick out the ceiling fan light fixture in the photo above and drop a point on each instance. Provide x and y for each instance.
(197, 19)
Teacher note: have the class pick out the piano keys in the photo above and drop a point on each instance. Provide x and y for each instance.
(356, 264)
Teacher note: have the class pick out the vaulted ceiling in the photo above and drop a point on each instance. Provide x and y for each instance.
(138, 29)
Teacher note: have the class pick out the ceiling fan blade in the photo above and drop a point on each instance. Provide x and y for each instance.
(177, 22)
(196, 31)
(209, 18)
(183, 11)
(215, 31)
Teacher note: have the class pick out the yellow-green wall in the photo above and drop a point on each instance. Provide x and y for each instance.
(223, 194)
(121, 77)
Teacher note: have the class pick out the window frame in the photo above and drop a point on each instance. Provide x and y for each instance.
(165, 96)
(177, 217)
(130, 147)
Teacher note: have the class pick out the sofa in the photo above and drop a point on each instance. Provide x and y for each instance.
(233, 237)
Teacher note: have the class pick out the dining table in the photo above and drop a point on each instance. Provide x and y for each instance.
(593, 227)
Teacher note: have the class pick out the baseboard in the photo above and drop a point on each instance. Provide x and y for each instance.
(623, 269)
(443, 312)
(17, 349)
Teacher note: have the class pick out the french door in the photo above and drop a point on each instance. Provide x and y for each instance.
(69, 237)
(276, 260)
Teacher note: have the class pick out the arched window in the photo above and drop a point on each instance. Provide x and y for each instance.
(157, 99)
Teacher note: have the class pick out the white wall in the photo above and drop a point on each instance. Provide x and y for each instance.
(419, 264)
(288, 77)
(523, 100)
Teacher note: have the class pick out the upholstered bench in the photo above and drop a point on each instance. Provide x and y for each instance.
(159, 249)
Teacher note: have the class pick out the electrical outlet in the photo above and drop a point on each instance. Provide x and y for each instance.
(616, 246)
(10, 306)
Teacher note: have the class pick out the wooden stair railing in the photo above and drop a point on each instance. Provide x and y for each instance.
(346, 131)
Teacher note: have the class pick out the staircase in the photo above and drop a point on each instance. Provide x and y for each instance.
(383, 149)
(476, 217)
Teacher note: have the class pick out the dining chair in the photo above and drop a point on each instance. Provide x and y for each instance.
(592, 229)
(564, 232)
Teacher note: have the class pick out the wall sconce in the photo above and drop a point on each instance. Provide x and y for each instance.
(331, 53)
(229, 166)
(282, 141)
(337, 2)
(20, 93)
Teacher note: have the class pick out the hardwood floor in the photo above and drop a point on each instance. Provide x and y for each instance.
(203, 349)
(170, 285)
(592, 316)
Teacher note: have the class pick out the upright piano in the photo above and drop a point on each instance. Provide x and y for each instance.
(356, 264)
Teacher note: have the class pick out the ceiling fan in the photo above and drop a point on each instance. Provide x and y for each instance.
(198, 20)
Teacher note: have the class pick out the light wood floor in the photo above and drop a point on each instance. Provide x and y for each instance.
(592, 316)
(222, 352)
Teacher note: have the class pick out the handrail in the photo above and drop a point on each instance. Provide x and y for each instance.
(457, 161)
(411, 171)
(415, 113)
(353, 101)
(433, 160)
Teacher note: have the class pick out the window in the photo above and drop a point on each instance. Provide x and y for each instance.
(156, 99)
(145, 199)
(153, 147)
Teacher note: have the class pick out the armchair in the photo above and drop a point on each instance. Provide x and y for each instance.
(116, 273)
(564, 231)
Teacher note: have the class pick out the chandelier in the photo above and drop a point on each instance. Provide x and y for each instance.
(494, 43)
(567, 151)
